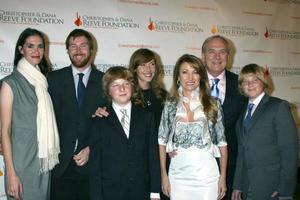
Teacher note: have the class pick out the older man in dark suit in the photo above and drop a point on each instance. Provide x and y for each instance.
(76, 92)
(224, 85)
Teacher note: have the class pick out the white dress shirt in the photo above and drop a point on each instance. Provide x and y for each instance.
(85, 78)
(118, 108)
(256, 102)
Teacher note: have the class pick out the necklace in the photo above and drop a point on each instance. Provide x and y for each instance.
(147, 98)
(148, 103)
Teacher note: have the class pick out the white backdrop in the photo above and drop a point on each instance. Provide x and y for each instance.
(266, 32)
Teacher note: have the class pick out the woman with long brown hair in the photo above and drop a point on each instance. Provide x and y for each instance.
(29, 132)
(192, 125)
(148, 74)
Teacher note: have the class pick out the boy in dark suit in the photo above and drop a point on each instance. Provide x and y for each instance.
(124, 159)
(267, 142)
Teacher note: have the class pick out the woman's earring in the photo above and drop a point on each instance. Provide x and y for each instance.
(178, 82)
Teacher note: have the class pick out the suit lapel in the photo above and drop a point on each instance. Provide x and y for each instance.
(115, 122)
(258, 111)
(134, 120)
(69, 88)
(255, 117)
(90, 90)
(228, 88)
(240, 122)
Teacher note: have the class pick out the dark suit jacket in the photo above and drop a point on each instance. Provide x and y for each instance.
(268, 153)
(121, 168)
(73, 122)
(232, 107)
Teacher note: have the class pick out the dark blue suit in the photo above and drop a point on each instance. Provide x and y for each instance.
(73, 121)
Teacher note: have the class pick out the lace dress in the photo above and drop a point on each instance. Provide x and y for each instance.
(193, 172)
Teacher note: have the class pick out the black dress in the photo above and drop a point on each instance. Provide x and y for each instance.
(151, 103)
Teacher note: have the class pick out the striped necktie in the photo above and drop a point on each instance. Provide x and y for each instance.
(125, 121)
(214, 88)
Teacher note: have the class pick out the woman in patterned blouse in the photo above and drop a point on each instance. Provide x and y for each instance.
(192, 125)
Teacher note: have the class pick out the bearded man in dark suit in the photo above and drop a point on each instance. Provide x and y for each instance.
(76, 92)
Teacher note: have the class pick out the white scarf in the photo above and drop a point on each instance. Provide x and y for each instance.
(47, 133)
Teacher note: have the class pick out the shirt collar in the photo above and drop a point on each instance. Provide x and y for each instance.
(86, 71)
(195, 94)
(221, 76)
(118, 107)
(258, 99)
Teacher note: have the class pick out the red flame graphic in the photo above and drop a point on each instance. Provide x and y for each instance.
(267, 70)
(77, 22)
(214, 29)
(267, 33)
(151, 25)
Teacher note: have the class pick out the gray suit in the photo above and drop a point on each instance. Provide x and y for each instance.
(267, 151)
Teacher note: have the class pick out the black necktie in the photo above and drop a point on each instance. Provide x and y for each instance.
(80, 89)
(248, 117)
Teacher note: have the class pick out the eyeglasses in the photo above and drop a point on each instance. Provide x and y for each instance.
(74, 47)
(250, 82)
(214, 52)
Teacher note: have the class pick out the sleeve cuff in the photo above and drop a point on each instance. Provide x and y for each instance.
(285, 198)
(154, 195)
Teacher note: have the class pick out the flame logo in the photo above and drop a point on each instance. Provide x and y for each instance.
(267, 70)
(214, 29)
(1, 173)
(151, 25)
(78, 21)
(266, 33)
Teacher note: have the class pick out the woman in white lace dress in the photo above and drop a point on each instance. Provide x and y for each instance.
(192, 126)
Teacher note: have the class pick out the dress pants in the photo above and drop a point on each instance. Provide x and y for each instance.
(72, 185)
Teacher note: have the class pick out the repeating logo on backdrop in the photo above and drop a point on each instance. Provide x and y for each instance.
(6, 68)
(233, 30)
(29, 18)
(140, 2)
(78, 21)
(106, 22)
(275, 71)
(283, 1)
(284, 71)
(271, 33)
(173, 26)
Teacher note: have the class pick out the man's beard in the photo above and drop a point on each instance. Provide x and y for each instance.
(80, 64)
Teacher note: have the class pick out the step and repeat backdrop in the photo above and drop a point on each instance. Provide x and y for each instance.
(266, 32)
